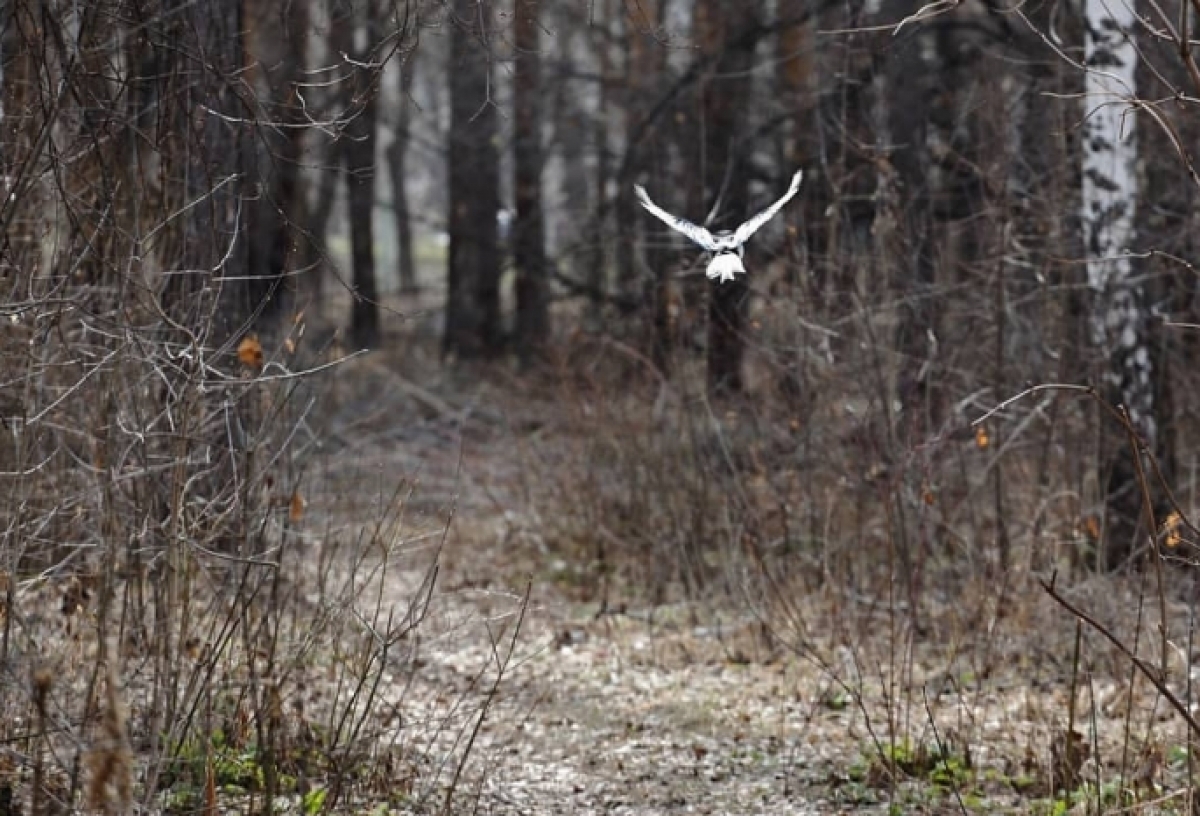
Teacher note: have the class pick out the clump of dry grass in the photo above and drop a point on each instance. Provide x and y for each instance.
(167, 508)
(904, 564)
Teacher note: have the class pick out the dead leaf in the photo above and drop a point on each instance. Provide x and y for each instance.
(1171, 530)
(250, 352)
(1089, 526)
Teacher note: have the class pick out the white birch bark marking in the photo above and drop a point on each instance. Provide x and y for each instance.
(1109, 202)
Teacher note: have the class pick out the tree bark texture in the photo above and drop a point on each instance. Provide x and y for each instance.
(473, 297)
(358, 151)
(529, 239)
(724, 94)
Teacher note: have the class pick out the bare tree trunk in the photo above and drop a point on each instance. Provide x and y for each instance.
(22, 102)
(797, 83)
(845, 200)
(95, 205)
(473, 296)
(327, 156)
(644, 60)
(210, 287)
(625, 206)
(724, 94)
(313, 263)
(283, 213)
(1045, 173)
(358, 150)
(397, 151)
(901, 232)
(570, 114)
(1109, 205)
(909, 93)
(529, 248)
(598, 256)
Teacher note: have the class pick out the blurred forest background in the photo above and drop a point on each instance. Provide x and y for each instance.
(980, 211)
(966, 350)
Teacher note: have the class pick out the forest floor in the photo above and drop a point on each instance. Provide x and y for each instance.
(574, 705)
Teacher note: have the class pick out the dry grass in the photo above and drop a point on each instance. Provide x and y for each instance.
(580, 589)
(205, 611)
(740, 577)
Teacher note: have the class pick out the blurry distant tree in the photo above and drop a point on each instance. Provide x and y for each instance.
(602, 40)
(277, 37)
(358, 151)
(644, 64)
(473, 293)
(405, 69)
(529, 241)
(724, 88)
(796, 80)
(910, 81)
(1166, 219)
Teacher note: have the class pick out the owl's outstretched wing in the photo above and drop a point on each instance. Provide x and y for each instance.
(744, 232)
(697, 233)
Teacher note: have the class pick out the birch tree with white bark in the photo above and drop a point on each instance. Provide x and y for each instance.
(1109, 203)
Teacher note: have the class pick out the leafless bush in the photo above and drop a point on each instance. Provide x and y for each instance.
(188, 616)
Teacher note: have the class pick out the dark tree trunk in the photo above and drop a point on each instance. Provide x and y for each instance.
(911, 255)
(644, 61)
(796, 54)
(328, 157)
(844, 200)
(95, 205)
(726, 317)
(313, 262)
(723, 97)
(598, 257)
(473, 296)
(24, 53)
(358, 150)
(802, 147)
(209, 290)
(284, 212)
(901, 231)
(396, 154)
(529, 248)
(624, 205)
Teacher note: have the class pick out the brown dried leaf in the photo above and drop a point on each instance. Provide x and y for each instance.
(250, 352)
(1172, 530)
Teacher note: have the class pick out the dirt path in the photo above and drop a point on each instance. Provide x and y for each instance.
(674, 709)
(641, 712)
(616, 715)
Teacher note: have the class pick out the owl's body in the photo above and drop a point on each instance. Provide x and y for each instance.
(725, 266)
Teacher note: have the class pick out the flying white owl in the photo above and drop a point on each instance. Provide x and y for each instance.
(726, 247)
